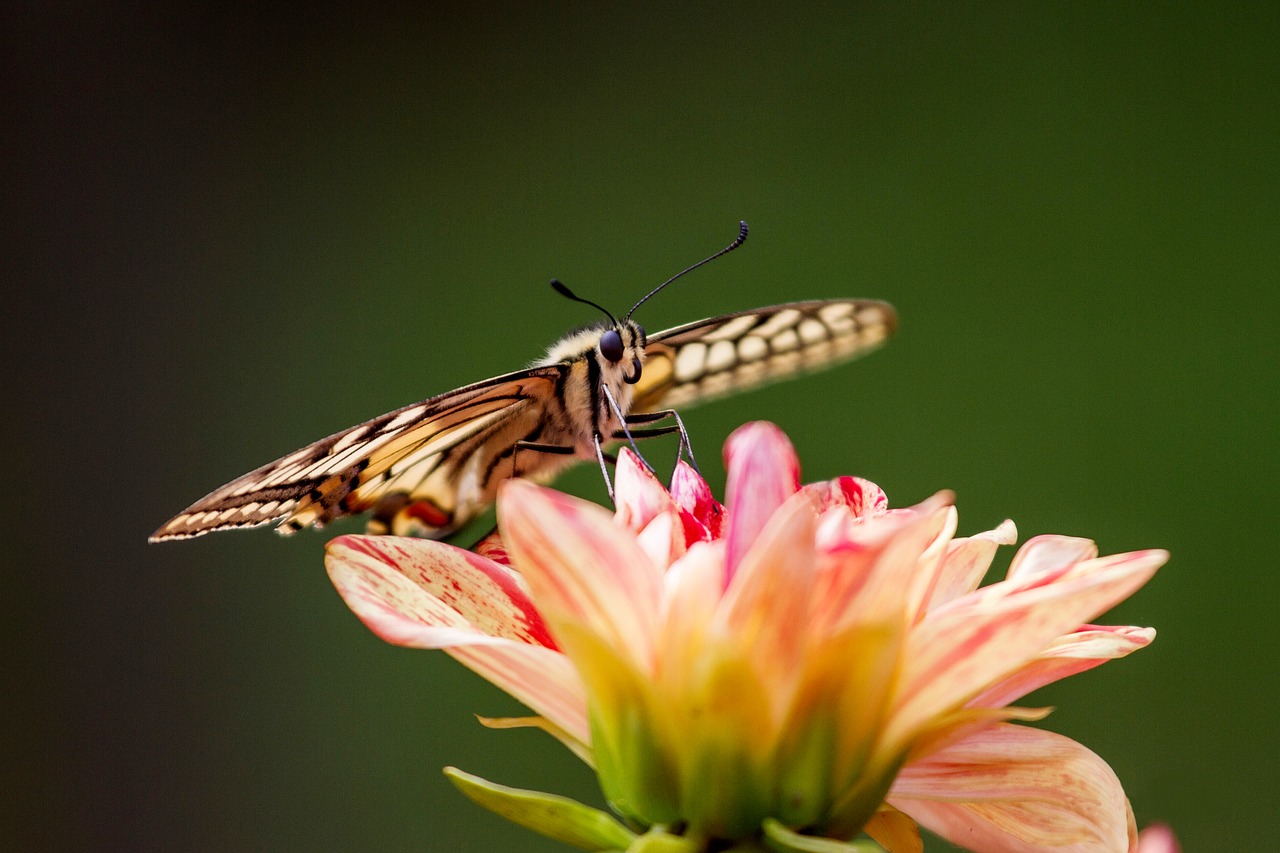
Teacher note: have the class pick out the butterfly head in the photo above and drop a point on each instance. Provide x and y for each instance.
(623, 346)
(619, 345)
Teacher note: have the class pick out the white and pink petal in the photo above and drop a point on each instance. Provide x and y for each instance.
(1013, 789)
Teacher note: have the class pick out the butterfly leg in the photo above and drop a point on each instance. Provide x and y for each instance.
(604, 466)
(535, 447)
(652, 417)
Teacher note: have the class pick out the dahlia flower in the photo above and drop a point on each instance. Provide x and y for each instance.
(799, 668)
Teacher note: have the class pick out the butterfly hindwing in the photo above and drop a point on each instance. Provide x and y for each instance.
(736, 352)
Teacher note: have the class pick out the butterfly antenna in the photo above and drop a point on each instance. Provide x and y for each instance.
(561, 288)
(741, 238)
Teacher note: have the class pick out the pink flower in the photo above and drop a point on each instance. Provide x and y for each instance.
(804, 659)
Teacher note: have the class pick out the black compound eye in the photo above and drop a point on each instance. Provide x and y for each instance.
(611, 346)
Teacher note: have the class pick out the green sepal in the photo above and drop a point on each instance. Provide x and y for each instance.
(779, 839)
(657, 841)
(547, 814)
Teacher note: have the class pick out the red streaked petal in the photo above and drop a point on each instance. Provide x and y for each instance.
(763, 471)
(1071, 654)
(1013, 789)
(967, 645)
(488, 596)
(585, 572)
(966, 562)
(403, 613)
(493, 548)
(862, 497)
(700, 510)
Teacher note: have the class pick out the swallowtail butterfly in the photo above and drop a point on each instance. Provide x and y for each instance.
(430, 467)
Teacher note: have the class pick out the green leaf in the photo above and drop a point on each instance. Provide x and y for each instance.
(782, 840)
(550, 815)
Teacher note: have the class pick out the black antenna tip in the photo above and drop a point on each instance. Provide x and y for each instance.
(559, 287)
(742, 232)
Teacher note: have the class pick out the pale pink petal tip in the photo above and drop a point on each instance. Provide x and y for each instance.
(1050, 554)
(763, 471)
(638, 495)
(1158, 838)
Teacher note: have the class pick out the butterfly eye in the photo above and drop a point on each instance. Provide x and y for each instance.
(611, 346)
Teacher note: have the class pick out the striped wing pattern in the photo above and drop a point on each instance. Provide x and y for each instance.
(427, 450)
(724, 355)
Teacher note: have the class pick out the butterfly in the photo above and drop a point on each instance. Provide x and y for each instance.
(429, 468)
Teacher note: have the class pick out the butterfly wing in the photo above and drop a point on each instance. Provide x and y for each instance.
(443, 456)
(736, 352)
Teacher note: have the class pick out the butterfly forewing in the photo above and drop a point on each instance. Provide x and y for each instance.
(724, 355)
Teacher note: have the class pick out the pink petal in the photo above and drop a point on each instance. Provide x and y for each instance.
(867, 566)
(1158, 838)
(1050, 554)
(663, 538)
(965, 646)
(584, 572)
(1073, 653)
(929, 567)
(404, 613)
(701, 512)
(1012, 789)
(638, 495)
(763, 471)
(488, 596)
(966, 563)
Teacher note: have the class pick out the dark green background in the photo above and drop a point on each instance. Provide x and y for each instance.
(234, 232)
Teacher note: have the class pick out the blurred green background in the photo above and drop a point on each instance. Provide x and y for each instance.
(232, 232)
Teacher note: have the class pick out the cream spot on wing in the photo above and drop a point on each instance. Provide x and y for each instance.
(751, 348)
(722, 356)
(296, 456)
(269, 507)
(689, 361)
(785, 340)
(407, 416)
(732, 330)
(784, 319)
(282, 475)
(812, 331)
(838, 317)
(349, 439)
